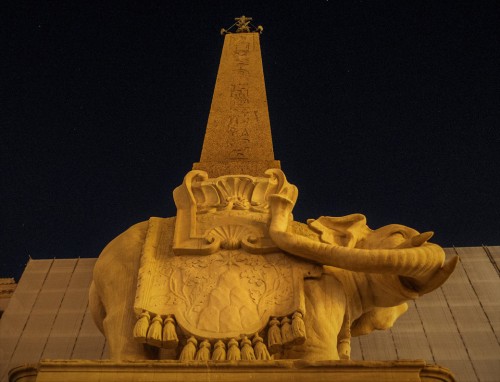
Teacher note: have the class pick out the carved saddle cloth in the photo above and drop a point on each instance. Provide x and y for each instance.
(226, 294)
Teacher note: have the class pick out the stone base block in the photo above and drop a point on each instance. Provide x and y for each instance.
(225, 371)
(236, 167)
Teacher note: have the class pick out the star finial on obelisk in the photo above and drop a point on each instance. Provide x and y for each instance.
(238, 135)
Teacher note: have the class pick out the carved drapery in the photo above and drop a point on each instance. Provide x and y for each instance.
(218, 272)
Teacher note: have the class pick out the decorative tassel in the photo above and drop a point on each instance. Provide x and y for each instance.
(203, 353)
(170, 340)
(141, 327)
(247, 353)
(154, 332)
(219, 353)
(260, 348)
(233, 351)
(298, 329)
(189, 350)
(286, 332)
(274, 343)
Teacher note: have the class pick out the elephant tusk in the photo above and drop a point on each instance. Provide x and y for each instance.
(418, 240)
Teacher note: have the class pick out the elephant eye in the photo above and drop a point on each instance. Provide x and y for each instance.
(396, 238)
(398, 234)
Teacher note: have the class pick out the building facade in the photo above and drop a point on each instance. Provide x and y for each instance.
(457, 326)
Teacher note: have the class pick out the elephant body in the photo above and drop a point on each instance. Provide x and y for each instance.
(364, 276)
(338, 303)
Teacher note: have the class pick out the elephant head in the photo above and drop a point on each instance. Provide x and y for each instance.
(348, 243)
(352, 231)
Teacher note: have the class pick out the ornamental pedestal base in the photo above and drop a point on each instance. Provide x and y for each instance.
(225, 371)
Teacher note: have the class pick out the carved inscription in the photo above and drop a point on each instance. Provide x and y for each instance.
(241, 117)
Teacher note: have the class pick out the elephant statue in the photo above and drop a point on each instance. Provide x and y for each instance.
(347, 279)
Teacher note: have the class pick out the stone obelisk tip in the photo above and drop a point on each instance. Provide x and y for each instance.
(238, 136)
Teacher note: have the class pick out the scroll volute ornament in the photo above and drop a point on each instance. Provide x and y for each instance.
(186, 237)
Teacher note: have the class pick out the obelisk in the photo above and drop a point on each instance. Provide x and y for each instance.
(238, 135)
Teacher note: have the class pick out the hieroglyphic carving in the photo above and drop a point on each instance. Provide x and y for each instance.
(241, 118)
(238, 134)
(239, 97)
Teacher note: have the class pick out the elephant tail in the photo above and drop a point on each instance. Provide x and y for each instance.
(96, 307)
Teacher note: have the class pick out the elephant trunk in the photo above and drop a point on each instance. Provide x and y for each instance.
(420, 264)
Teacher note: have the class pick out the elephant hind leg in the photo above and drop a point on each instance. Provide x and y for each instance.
(114, 324)
(123, 347)
(344, 337)
(96, 307)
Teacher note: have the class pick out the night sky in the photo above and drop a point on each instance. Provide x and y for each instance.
(391, 109)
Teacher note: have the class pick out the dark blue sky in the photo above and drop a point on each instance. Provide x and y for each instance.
(391, 109)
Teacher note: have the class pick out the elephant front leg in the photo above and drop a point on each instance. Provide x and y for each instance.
(325, 308)
(344, 337)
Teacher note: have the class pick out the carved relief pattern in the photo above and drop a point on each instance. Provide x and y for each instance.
(224, 193)
(226, 293)
(239, 192)
(231, 236)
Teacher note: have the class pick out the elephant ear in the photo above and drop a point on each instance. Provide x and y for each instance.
(342, 231)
